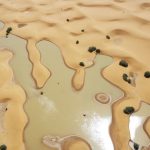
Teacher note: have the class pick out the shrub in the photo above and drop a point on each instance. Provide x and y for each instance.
(3, 147)
(129, 110)
(123, 63)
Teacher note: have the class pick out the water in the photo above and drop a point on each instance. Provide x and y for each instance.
(60, 110)
(136, 125)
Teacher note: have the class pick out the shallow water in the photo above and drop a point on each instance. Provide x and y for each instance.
(59, 111)
(136, 125)
(64, 108)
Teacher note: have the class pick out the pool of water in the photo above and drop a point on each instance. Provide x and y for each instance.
(61, 110)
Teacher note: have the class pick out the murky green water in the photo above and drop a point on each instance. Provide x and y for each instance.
(59, 111)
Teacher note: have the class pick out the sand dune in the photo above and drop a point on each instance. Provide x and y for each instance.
(61, 22)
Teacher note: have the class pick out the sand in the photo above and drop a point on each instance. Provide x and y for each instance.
(103, 98)
(61, 22)
(14, 119)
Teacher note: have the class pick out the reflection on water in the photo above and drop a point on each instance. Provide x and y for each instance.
(1, 25)
(96, 128)
(47, 104)
(136, 125)
(60, 110)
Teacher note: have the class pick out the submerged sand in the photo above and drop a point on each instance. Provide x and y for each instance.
(62, 22)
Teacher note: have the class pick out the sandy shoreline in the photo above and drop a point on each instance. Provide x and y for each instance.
(63, 23)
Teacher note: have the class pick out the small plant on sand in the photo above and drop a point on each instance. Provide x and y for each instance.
(3, 147)
(82, 64)
(136, 146)
(67, 20)
(82, 30)
(123, 63)
(129, 110)
(41, 93)
(9, 29)
(129, 81)
(125, 77)
(98, 51)
(92, 49)
(77, 42)
(147, 74)
(107, 37)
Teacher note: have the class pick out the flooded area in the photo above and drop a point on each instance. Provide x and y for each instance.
(57, 109)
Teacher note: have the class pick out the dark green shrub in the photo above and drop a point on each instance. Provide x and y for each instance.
(129, 110)
(92, 49)
(147, 74)
(82, 64)
(3, 147)
(123, 63)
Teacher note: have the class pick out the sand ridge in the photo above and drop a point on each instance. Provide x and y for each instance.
(61, 22)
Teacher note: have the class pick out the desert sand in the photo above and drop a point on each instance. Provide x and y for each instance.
(119, 28)
(14, 118)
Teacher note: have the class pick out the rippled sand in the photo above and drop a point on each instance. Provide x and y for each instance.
(126, 24)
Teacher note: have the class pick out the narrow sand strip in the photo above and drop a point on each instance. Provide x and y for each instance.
(3, 109)
(14, 96)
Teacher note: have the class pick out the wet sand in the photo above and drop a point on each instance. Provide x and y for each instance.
(127, 24)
